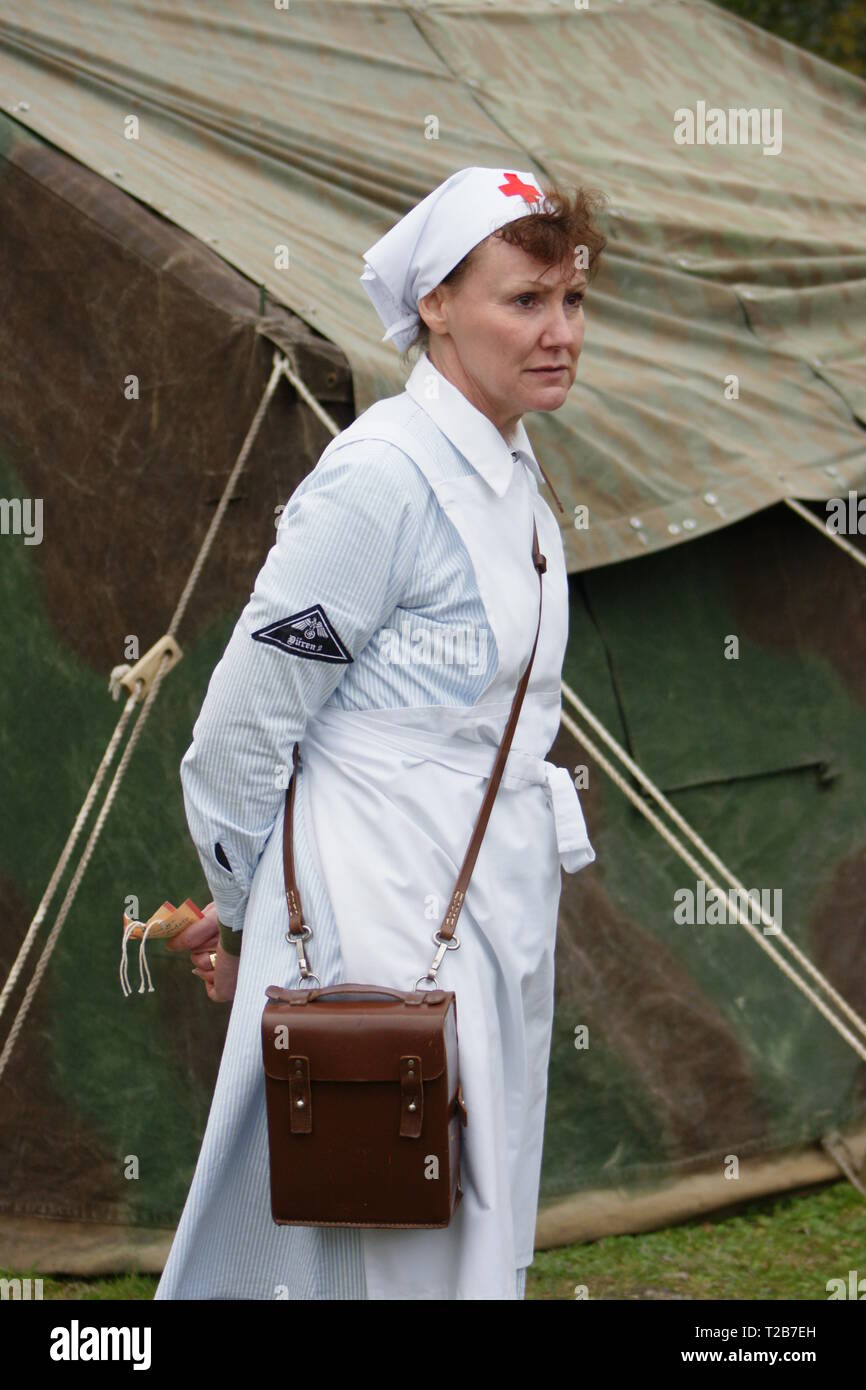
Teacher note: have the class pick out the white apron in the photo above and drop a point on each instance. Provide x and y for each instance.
(391, 799)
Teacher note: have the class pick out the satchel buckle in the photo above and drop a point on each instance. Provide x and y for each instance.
(300, 1115)
(411, 1097)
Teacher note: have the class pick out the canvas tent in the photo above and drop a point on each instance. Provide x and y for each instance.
(308, 127)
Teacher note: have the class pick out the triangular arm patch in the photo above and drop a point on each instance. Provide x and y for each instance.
(309, 633)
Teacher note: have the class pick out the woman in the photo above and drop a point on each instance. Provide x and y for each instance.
(414, 527)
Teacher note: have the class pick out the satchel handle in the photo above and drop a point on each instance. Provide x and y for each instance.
(330, 990)
(294, 996)
(299, 932)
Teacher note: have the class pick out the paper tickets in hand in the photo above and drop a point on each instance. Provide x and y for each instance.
(167, 921)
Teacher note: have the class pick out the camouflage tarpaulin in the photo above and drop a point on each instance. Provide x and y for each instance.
(317, 125)
(702, 1046)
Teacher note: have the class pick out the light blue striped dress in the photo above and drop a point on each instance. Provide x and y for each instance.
(364, 538)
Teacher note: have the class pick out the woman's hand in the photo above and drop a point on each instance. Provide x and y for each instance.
(221, 978)
(201, 938)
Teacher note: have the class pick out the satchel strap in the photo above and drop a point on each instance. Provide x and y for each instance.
(297, 926)
(449, 921)
(293, 897)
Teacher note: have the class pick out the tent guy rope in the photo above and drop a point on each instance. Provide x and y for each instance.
(151, 686)
(833, 536)
(666, 834)
(680, 849)
(676, 844)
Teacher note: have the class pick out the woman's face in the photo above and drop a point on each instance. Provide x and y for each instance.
(507, 317)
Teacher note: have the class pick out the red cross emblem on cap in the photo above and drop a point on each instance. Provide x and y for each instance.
(514, 187)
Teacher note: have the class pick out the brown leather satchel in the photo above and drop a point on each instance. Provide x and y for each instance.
(364, 1105)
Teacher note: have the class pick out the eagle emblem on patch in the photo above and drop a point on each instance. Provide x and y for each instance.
(309, 633)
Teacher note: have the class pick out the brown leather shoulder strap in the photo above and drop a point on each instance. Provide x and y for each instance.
(293, 897)
(449, 922)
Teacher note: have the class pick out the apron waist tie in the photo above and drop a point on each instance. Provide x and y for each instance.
(351, 727)
(572, 839)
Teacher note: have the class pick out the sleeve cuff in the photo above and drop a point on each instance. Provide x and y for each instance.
(230, 940)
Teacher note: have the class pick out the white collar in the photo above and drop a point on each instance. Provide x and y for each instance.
(469, 429)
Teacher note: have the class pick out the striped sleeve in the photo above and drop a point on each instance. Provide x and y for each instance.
(344, 554)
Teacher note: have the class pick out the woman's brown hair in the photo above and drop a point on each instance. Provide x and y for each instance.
(551, 235)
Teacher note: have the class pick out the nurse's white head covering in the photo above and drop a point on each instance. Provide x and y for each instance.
(418, 252)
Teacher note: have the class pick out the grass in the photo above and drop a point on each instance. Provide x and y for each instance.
(75, 1287)
(773, 1248)
(783, 1247)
